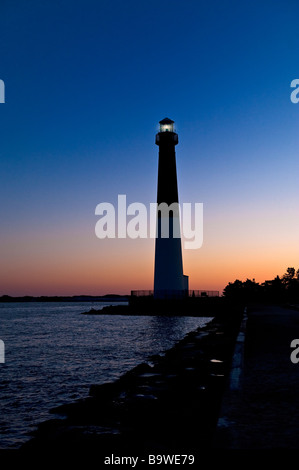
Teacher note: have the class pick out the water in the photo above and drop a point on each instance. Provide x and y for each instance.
(53, 354)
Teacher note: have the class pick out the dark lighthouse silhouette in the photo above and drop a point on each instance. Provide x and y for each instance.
(169, 280)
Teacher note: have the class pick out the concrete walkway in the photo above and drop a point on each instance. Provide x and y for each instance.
(260, 408)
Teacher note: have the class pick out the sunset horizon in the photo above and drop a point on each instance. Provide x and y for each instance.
(76, 136)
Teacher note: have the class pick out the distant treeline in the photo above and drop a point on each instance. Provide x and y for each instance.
(279, 289)
(74, 298)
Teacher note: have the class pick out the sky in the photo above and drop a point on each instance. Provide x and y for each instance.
(86, 83)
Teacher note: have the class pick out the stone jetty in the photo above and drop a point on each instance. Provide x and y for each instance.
(167, 405)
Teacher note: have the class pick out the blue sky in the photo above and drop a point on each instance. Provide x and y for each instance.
(86, 84)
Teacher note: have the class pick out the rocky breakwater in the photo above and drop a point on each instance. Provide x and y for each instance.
(169, 404)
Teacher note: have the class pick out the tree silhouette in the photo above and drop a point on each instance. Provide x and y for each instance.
(278, 290)
(242, 291)
(289, 275)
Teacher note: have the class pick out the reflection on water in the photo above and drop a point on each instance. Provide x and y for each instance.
(53, 354)
(160, 326)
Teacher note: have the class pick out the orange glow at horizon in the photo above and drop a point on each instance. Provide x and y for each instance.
(75, 262)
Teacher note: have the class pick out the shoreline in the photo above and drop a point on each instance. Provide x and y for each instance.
(66, 298)
(127, 311)
(153, 407)
(198, 307)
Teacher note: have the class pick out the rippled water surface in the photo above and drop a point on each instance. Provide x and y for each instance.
(53, 354)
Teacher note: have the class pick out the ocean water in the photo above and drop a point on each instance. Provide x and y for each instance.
(53, 354)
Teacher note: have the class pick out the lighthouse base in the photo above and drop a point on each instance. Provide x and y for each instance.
(170, 294)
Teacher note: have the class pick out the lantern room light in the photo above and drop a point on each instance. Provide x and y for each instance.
(166, 125)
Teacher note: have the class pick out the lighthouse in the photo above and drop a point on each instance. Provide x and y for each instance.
(169, 280)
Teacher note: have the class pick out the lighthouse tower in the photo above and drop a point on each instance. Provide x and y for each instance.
(169, 280)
